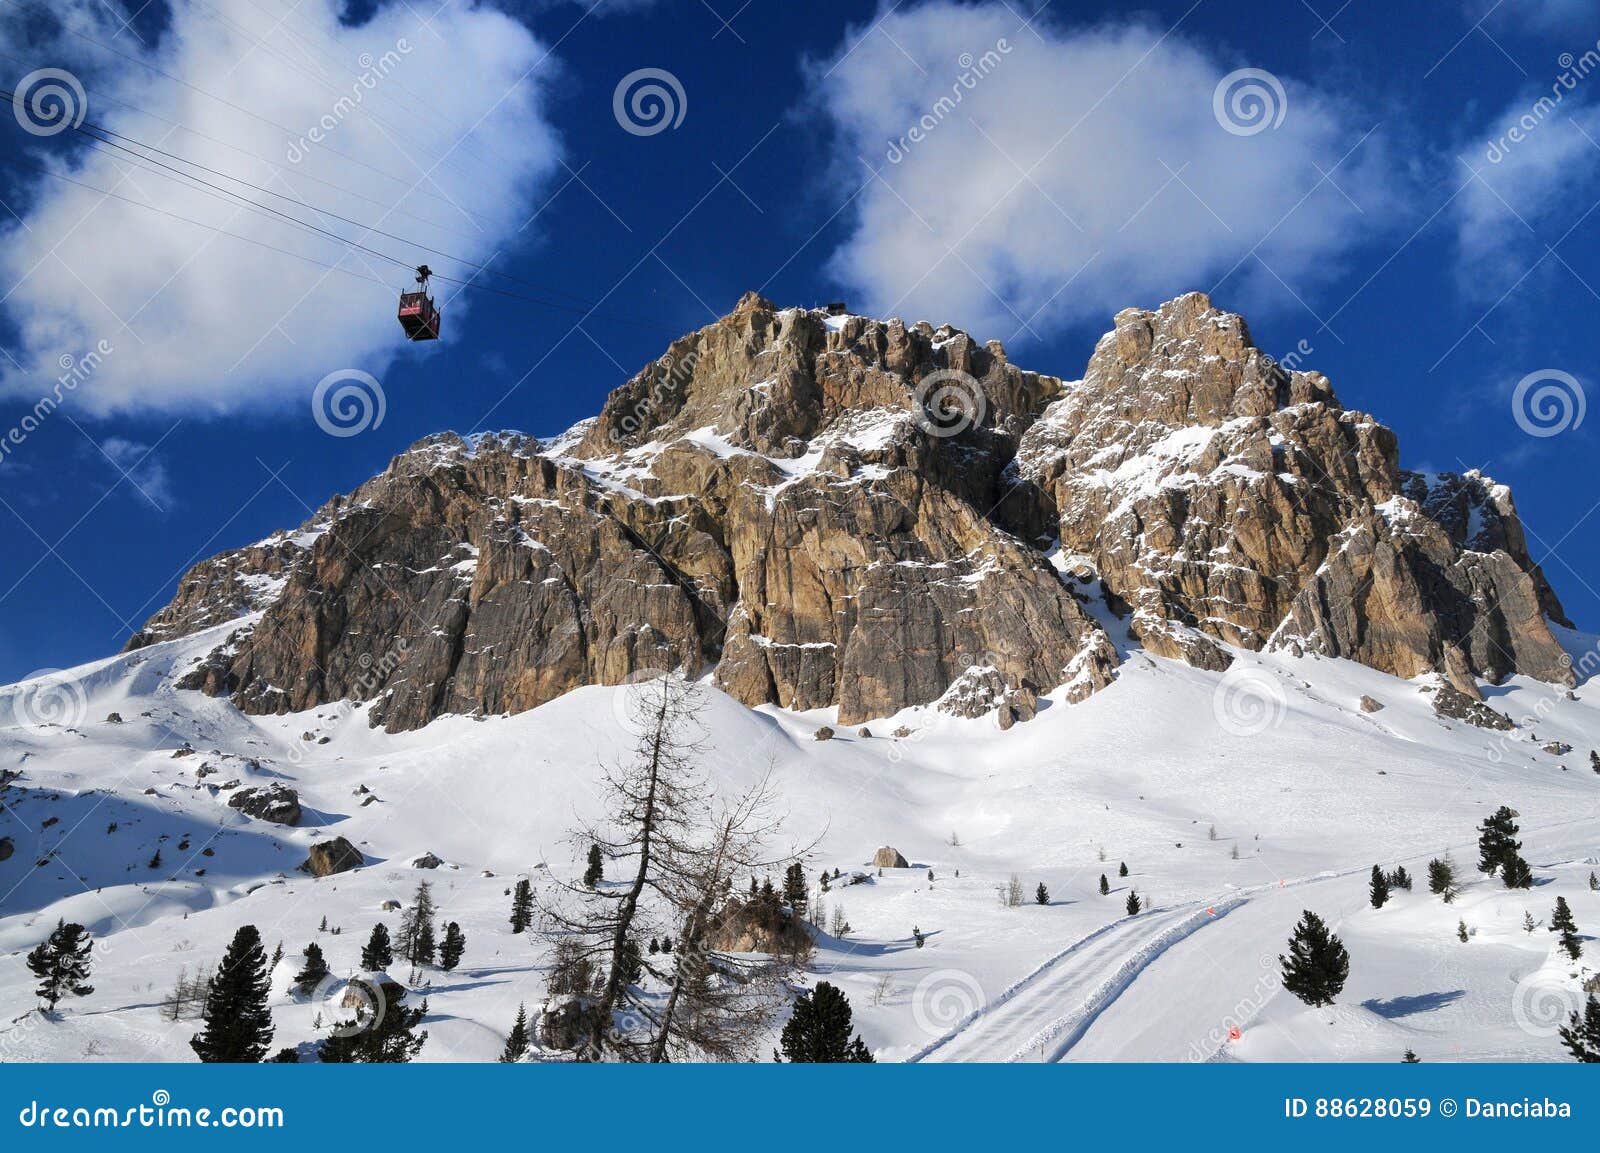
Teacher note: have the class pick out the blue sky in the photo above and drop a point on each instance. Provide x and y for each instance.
(1389, 226)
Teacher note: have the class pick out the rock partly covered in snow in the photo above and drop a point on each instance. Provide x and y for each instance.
(329, 857)
(274, 802)
(778, 499)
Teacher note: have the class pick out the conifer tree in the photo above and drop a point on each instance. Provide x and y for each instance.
(1410, 1058)
(1497, 840)
(794, 888)
(596, 870)
(1378, 888)
(1462, 934)
(1561, 922)
(1122, 869)
(238, 1024)
(1442, 878)
(1105, 885)
(1400, 879)
(1133, 904)
(1594, 882)
(522, 905)
(61, 962)
(1317, 965)
(518, 1043)
(1041, 895)
(155, 861)
(454, 944)
(315, 969)
(377, 955)
(819, 1030)
(416, 928)
(1528, 923)
(1515, 873)
(1581, 1035)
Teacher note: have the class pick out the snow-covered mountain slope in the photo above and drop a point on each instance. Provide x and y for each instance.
(1237, 799)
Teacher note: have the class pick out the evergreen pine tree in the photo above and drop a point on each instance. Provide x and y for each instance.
(1594, 882)
(277, 955)
(1378, 888)
(522, 905)
(454, 944)
(377, 955)
(1122, 869)
(1442, 878)
(1561, 922)
(655, 946)
(1133, 904)
(1581, 1035)
(390, 1039)
(416, 927)
(1462, 934)
(316, 968)
(238, 1024)
(517, 1044)
(1515, 873)
(1497, 840)
(1105, 885)
(1317, 965)
(1528, 923)
(61, 962)
(596, 871)
(1410, 1058)
(1400, 879)
(820, 1028)
(1041, 895)
(794, 888)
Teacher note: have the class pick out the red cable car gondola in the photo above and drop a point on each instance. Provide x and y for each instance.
(418, 314)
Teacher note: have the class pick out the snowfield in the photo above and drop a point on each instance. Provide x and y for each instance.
(1237, 800)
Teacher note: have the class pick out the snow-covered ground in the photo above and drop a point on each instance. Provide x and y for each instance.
(1237, 800)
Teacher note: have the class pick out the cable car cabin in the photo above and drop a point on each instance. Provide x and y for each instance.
(419, 316)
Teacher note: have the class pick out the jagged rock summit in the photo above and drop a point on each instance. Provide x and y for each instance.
(840, 511)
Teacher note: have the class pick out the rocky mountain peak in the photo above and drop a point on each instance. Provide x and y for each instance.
(838, 511)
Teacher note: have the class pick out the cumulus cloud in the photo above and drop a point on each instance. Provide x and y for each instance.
(427, 125)
(1536, 173)
(1029, 176)
(145, 470)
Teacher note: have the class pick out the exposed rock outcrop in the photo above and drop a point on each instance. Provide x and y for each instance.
(275, 802)
(328, 857)
(890, 858)
(841, 512)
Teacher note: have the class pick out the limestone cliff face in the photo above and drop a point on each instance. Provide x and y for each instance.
(1216, 493)
(837, 511)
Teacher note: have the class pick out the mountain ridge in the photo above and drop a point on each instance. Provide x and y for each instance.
(841, 512)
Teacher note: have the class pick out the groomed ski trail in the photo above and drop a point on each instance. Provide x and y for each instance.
(1053, 1006)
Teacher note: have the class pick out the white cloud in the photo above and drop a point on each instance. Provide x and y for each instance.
(201, 322)
(145, 470)
(1537, 172)
(1085, 171)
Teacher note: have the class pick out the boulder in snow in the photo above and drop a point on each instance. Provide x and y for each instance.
(890, 858)
(275, 802)
(329, 857)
